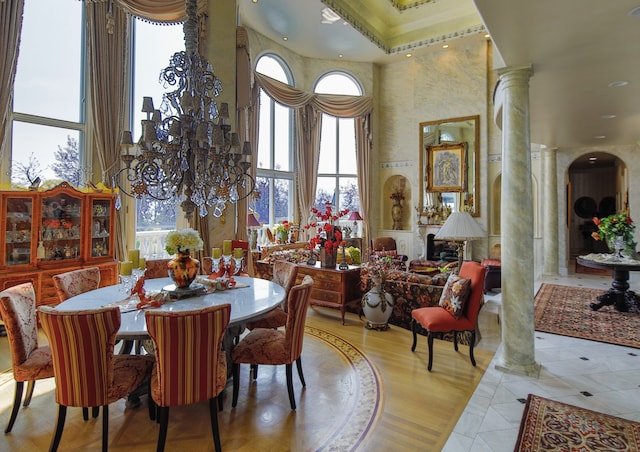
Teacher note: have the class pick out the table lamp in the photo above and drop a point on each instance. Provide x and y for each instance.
(252, 223)
(355, 217)
(460, 227)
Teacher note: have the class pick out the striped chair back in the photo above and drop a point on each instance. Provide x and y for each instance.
(82, 347)
(190, 363)
(75, 282)
(298, 301)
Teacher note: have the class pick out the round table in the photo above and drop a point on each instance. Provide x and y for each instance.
(619, 294)
(247, 303)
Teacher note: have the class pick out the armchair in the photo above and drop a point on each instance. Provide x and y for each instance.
(386, 246)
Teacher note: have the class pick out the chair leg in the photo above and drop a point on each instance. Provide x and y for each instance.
(62, 413)
(292, 398)
(236, 383)
(430, 342)
(455, 340)
(414, 327)
(215, 429)
(299, 367)
(85, 413)
(473, 341)
(16, 405)
(152, 407)
(254, 371)
(105, 426)
(30, 387)
(220, 400)
(163, 416)
(95, 411)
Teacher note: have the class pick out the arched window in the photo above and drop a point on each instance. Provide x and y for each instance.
(337, 171)
(275, 167)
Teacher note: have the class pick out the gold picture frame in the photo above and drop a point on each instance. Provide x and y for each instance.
(447, 167)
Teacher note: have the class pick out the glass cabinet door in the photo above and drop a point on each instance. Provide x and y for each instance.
(61, 228)
(100, 227)
(18, 227)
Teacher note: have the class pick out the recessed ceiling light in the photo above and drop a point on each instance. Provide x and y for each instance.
(285, 38)
(487, 36)
(593, 158)
(409, 55)
(254, 1)
(618, 84)
(600, 137)
(445, 46)
(608, 116)
(340, 56)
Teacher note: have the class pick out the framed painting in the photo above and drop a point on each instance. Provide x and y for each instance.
(446, 167)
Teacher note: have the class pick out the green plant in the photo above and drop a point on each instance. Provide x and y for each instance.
(616, 225)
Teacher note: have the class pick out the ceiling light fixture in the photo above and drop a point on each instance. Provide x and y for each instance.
(618, 84)
(608, 116)
(445, 46)
(593, 158)
(600, 137)
(187, 154)
(285, 38)
(409, 55)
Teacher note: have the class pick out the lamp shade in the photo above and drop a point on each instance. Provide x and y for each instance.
(460, 226)
(355, 216)
(252, 221)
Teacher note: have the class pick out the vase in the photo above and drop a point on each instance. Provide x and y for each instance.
(328, 258)
(183, 270)
(377, 306)
(396, 215)
(619, 245)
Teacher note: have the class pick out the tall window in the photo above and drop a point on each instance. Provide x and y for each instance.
(337, 171)
(275, 149)
(49, 93)
(152, 48)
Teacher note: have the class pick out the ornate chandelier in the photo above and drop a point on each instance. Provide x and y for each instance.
(187, 152)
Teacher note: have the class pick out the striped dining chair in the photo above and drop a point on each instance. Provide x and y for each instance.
(276, 347)
(29, 360)
(190, 363)
(87, 372)
(75, 282)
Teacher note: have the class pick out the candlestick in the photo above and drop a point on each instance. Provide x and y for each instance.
(142, 263)
(216, 253)
(238, 252)
(226, 247)
(125, 268)
(134, 257)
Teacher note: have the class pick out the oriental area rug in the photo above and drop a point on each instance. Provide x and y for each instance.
(565, 310)
(551, 426)
(339, 407)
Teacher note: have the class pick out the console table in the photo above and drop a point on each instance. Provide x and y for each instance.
(331, 287)
(619, 294)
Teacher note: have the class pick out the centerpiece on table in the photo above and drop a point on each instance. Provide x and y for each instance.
(617, 231)
(377, 304)
(328, 236)
(183, 268)
(282, 231)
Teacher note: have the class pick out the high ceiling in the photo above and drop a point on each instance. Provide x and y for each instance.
(575, 47)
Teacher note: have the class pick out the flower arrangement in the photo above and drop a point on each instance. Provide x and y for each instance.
(378, 269)
(282, 230)
(183, 241)
(616, 225)
(397, 195)
(327, 236)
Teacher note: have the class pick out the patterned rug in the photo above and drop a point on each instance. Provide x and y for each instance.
(565, 310)
(550, 426)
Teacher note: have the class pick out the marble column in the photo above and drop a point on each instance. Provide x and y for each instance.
(550, 214)
(517, 354)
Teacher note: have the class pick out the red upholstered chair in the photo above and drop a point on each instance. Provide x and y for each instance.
(86, 371)
(284, 274)
(30, 362)
(75, 282)
(437, 320)
(191, 365)
(276, 347)
(386, 246)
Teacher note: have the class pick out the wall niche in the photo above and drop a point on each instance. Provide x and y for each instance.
(396, 213)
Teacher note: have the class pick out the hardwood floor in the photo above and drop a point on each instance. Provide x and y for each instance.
(418, 409)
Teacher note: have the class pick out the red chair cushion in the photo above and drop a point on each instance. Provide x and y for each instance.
(438, 320)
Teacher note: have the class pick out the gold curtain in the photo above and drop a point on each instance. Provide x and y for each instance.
(10, 28)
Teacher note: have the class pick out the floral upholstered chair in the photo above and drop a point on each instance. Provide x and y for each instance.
(75, 282)
(188, 371)
(100, 377)
(276, 347)
(386, 246)
(284, 274)
(156, 268)
(30, 361)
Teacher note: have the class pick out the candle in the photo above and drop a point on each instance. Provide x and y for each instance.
(226, 247)
(216, 253)
(142, 263)
(125, 268)
(237, 253)
(134, 257)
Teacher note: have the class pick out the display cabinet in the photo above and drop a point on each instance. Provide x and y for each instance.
(43, 233)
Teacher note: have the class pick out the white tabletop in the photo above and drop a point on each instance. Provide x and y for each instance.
(247, 303)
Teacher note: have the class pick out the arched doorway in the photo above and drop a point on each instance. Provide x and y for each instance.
(598, 187)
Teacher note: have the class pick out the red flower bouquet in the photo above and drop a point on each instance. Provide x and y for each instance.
(327, 236)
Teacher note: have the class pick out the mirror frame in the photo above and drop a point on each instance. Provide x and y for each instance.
(473, 156)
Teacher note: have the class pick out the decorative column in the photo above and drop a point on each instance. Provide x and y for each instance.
(517, 353)
(550, 203)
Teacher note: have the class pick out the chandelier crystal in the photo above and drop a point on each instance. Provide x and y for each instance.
(187, 152)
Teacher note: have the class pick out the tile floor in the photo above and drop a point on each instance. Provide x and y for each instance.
(569, 368)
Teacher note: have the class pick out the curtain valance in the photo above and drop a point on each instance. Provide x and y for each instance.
(158, 11)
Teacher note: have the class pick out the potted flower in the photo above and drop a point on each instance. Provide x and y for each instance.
(328, 237)
(617, 230)
(377, 305)
(282, 231)
(183, 268)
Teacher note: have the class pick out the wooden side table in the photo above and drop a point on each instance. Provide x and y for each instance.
(331, 287)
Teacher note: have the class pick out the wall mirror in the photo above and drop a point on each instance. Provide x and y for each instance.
(446, 144)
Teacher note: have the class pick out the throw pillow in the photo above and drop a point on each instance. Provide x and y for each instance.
(455, 294)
